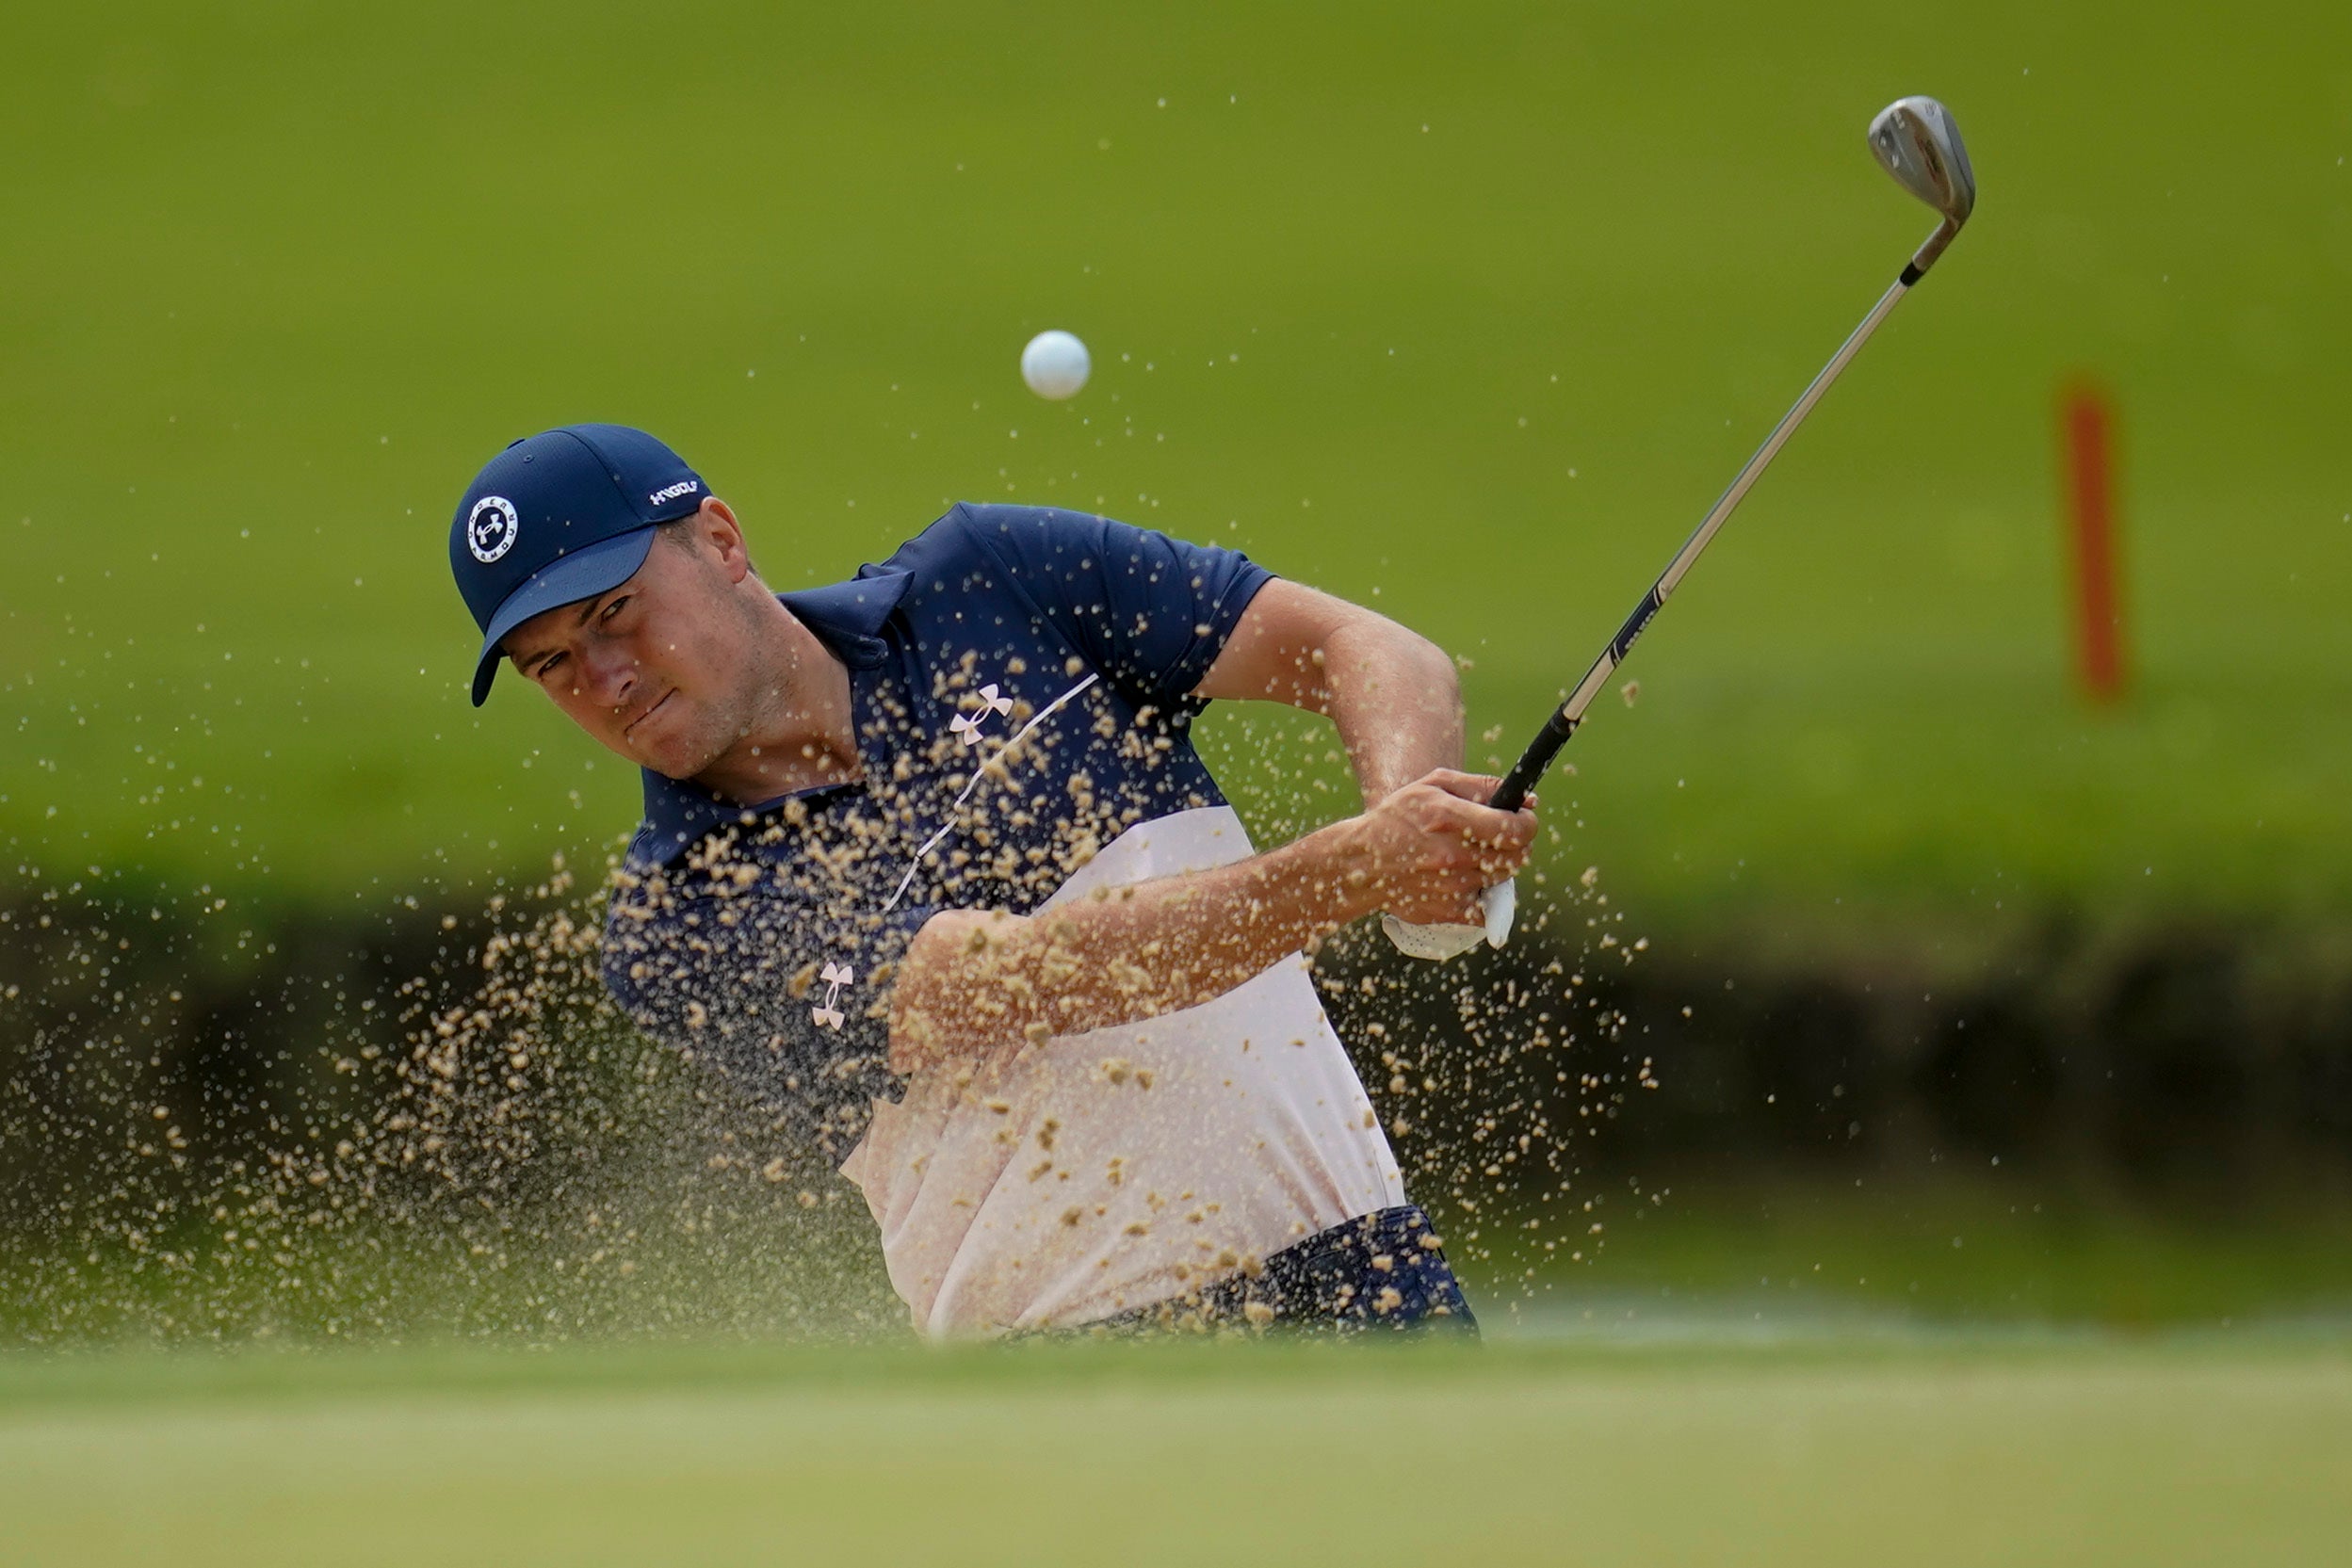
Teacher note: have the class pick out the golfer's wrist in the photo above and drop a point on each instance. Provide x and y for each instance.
(1341, 883)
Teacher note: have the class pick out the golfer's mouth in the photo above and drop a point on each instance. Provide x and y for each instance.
(630, 730)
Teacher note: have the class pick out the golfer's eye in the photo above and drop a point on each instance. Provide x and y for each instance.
(546, 666)
(614, 608)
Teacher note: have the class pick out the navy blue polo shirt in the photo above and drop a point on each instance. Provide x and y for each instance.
(1020, 688)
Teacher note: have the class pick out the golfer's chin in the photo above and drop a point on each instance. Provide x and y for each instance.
(663, 742)
(673, 762)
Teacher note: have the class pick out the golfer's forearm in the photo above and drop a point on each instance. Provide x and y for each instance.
(973, 980)
(1396, 701)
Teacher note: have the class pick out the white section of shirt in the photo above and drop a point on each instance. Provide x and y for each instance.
(1048, 1186)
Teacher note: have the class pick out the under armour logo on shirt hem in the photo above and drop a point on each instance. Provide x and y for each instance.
(835, 975)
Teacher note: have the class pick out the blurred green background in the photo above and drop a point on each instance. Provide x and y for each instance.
(1471, 311)
(1463, 312)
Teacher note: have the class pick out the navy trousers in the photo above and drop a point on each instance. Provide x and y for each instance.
(1386, 1270)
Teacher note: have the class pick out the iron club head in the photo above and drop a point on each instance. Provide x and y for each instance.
(1918, 142)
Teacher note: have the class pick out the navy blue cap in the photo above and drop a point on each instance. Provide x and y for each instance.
(560, 517)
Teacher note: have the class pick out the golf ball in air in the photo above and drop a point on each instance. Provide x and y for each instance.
(1055, 364)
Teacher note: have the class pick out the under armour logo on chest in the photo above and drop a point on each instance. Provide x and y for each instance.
(835, 975)
(967, 724)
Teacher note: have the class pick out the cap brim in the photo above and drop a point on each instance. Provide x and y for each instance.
(599, 569)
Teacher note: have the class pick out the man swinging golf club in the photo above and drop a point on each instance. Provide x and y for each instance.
(930, 865)
(931, 868)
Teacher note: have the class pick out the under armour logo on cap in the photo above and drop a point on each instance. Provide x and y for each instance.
(490, 532)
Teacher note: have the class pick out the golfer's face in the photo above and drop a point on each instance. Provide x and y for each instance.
(644, 667)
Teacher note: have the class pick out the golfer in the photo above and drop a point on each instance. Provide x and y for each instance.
(931, 868)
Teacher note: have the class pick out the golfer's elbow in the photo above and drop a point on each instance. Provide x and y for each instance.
(1399, 661)
(1436, 674)
(1398, 707)
(963, 987)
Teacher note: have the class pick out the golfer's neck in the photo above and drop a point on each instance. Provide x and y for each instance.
(799, 732)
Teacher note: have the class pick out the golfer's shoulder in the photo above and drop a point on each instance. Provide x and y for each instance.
(1004, 536)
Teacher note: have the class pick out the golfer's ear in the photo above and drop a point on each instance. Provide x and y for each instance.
(716, 525)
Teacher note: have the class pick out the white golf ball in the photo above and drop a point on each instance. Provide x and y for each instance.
(1055, 364)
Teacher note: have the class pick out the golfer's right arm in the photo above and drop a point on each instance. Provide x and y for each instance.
(973, 980)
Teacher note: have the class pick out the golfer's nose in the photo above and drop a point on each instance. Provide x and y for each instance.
(612, 675)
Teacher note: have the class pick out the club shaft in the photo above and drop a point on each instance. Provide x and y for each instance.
(1563, 723)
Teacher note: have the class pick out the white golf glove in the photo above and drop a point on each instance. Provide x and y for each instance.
(1438, 943)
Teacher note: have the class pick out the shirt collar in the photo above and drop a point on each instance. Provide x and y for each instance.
(847, 618)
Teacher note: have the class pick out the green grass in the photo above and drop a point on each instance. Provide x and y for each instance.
(1470, 311)
(2032, 1254)
(1703, 1250)
(1957, 1453)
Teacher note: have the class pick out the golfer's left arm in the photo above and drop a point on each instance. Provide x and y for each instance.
(1392, 693)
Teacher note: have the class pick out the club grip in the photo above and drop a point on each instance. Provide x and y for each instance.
(1532, 763)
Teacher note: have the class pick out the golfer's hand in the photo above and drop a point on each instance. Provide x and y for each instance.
(1431, 847)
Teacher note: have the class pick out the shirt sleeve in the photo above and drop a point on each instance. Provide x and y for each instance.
(1150, 611)
(787, 998)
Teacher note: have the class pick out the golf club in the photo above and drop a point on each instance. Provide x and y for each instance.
(1917, 141)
